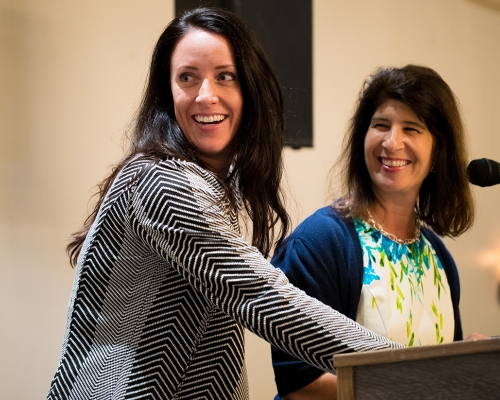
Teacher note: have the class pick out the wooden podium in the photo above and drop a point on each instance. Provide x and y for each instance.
(459, 370)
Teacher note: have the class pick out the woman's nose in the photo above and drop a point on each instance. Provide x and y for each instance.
(394, 139)
(207, 95)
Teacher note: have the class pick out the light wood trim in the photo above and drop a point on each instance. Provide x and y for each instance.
(345, 383)
(416, 353)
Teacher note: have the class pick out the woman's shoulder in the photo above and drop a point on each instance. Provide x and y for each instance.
(173, 176)
(321, 244)
(324, 228)
(437, 243)
(325, 220)
(171, 167)
(167, 163)
(432, 237)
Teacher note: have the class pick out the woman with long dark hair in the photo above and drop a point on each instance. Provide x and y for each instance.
(165, 283)
(375, 254)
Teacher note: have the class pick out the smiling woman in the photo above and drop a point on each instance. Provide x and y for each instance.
(374, 254)
(398, 153)
(165, 283)
(207, 96)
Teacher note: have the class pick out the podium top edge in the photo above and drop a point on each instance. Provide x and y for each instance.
(416, 353)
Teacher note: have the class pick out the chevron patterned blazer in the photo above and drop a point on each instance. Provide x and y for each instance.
(165, 284)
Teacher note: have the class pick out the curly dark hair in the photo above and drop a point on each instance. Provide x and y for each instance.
(256, 150)
(445, 201)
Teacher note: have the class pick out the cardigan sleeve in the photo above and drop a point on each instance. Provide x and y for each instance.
(178, 210)
(321, 258)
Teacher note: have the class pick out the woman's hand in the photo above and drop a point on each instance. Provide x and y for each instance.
(477, 336)
(325, 387)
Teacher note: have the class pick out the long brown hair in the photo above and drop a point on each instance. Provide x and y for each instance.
(256, 148)
(445, 201)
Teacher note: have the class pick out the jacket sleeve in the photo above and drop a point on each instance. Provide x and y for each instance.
(316, 258)
(179, 211)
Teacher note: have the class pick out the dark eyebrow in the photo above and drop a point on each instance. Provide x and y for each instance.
(380, 119)
(225, 66)
(192, 67)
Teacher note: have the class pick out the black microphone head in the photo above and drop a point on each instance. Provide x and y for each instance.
(484, 172)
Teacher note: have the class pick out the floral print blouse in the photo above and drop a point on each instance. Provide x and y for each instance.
(405, 295)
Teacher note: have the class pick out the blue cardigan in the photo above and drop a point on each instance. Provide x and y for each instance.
(323, 257)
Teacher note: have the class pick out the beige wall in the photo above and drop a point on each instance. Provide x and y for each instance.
(71, 75)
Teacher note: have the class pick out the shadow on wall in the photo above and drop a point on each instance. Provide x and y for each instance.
(495, 4)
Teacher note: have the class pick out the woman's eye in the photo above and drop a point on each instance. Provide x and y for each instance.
(184, 78)
(227, 76)
(412, 130)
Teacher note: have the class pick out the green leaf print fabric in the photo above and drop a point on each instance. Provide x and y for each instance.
(405, 294)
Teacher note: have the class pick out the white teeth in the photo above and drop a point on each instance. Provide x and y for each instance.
(394, 163)
(209, 119)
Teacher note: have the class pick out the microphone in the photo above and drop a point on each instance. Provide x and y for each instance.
(484, 172)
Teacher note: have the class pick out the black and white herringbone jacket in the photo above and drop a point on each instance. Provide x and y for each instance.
(165, 284)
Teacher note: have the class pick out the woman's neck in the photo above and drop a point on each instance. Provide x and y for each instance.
(396, 218)
(219, 168)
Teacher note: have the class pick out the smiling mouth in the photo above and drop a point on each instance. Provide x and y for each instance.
(212, 119)
(393, 163)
